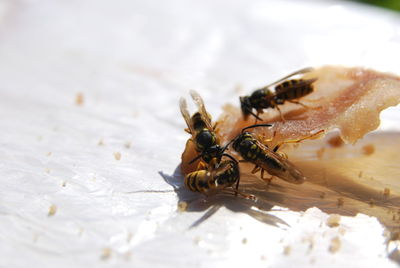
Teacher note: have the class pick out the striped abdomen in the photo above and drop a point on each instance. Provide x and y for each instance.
(199, 181)
(294, 89)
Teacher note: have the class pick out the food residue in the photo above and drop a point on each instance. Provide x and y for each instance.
(368, 149)
(335, 141)
(106, 254)
(287, 250)
(335, 244)
(117, 155)
(182, 206)
(52, 210)
(79, 99)
(333, 220)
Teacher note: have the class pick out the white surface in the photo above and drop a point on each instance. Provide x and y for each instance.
(132, 61)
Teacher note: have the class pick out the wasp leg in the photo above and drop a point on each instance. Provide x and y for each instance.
(299, 103)
(255, 169)
(298, 140)
(201, 165)
(188, 130)
(280, 114)
(247, 196)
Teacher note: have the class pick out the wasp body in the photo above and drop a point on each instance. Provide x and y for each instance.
(289, 90)
(215, 178)
(199, 126)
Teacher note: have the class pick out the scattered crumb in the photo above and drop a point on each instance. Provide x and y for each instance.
(129, 237)
(244, 240)
(320, 152)
(360, 174)
(135, 114)
(368, 149)
(386, 192)
(49, 153)
(196, 240)
(342, 231)
(322, 195)
(340, 202)
(371, 203)
(64, 184)
(287, 250)
(335, 141)
(79, 99)
(47, 170)
(52, 210)
(333, 220)
(39, 138)
(128, 145)
(238, 89)
(335, 244)
(182, 206)
(106, 254)
(100, 143)
(117, 155)
(81, 230)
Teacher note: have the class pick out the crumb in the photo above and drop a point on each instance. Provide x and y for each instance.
(263, 257)
(81, 230)
(340, 202)
(320, 152)
(100, 143)
(360, 174)
(196, 240)
(335, 141)
(368, 149)
(371, 203)
(79, 99)
(49, 153)
(117, 155)
(342, 231)
(322, 195)
(244, 240)
(52, 210)
(106, 253)
(287, 250)
(128, 145)
(333, 220)
(182, 206)
(64, 184)
(47, 170)
(135, 114)
(39, 138)
(238, 89)
(386, 192)
(129, 237)
(335, 245)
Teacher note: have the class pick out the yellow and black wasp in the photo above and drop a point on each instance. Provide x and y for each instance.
(200, 127)
(289, 90)
(265, 158)
(216, 177)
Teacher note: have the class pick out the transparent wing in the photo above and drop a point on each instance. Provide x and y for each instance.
(298, 85)
(186, 115)
(301, 71)
(202, 109)
(283, 168)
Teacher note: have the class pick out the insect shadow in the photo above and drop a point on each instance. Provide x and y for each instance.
(344, 181)
(197, 202)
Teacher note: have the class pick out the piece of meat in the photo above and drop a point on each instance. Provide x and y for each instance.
(348, 99)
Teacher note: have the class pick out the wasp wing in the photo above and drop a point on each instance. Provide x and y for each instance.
(301, 71)
(202, 109)
(186, 115)
(293, 86)
(279, 166)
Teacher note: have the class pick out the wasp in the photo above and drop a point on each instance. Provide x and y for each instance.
(200, 127)
(265, 158)
(289, 90)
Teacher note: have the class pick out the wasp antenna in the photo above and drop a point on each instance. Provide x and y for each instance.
(231, 157)
(256, 125)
